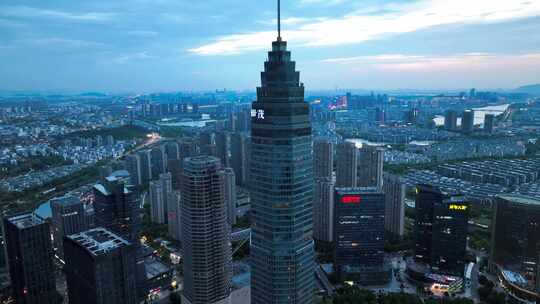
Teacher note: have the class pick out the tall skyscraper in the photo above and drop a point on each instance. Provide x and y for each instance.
(440, 230)
(174, 215)
(100, 268)
(146, 168)
(229, 193)
(205, 233)
(116, 208)
(370, 167)
(132, 164)
(323, 211)
(68, 217)
(323, 158)
(281, 185)
(467, 122)
(450, 120)
(30, 259)
(240, 157)
(346, 165)
(394, 218)
(359, 236)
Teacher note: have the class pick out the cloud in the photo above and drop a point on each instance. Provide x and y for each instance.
(62, 43)
(361, 26)
(324, 2)
(28, 12)
(433, 63)
(133, 57)
(142, 33)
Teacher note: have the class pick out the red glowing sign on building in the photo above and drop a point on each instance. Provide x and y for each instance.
(351, 199)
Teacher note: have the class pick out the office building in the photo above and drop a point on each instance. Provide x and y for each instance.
(370, 167)
(394, 218)
(515, 234)
(346, 165)
(229, 193)
(450, 120)
(30, 259)
(117, 208)
(282, 247)
(359, 236)
(323, 212)
(100, 268)
(205, 233)
(157, 161)
(146, 167)
(68, 217)
(240, 157)
(323, 158)
(489, 122)
(174, 215)
(132, 164)
(467, 122)
(440, 230)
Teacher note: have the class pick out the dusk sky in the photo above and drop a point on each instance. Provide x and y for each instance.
(174, 45)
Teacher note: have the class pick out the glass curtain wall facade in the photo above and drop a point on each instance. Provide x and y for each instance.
(281, 185)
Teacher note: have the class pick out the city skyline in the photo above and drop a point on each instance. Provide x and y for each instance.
(368, 45)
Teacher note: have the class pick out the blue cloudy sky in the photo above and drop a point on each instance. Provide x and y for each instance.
(172, 45)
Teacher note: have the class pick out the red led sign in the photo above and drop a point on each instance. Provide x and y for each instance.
(351, 199)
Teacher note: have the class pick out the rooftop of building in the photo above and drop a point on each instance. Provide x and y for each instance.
(99, 241)
(26, 220)
(154, 268)
(354, 190)
(520, 199)
(118, 175)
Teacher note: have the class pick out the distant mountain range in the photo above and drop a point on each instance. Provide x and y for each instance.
(533, 89)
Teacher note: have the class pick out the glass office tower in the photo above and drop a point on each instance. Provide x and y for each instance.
(281, 185)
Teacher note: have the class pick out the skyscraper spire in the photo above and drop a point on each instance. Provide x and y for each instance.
(279, 19)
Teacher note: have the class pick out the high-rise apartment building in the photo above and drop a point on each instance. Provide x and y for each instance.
(240, 157)
(282, 247)
(146, 167)
(394, 220)
(205, 233)
(157, 202)
(229, 193)
(174, 212)
(359, 236)
(323, 158)
(370, 167)
(100, 268)
(489, 122)
(68, 217)
(323, 211)
(467, 122)
(346, 165)
(450, 120)
(157, 161)
(223, 147)
(132, 164)
(30, 259)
